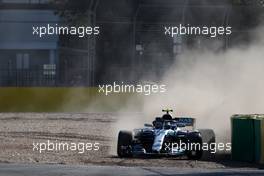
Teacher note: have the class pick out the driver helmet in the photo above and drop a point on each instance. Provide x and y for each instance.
(167, 117)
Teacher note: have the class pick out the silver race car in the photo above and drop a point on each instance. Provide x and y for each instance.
(166, 136)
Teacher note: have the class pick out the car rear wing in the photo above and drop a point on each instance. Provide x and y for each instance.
(185, 121)
(180, 121)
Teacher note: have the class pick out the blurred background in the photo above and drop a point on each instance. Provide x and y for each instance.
(131, 45)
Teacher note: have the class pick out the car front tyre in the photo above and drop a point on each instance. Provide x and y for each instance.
(124, 144)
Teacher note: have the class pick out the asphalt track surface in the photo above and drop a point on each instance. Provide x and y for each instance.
(91, 170)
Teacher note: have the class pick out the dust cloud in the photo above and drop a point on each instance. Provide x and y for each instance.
(208, 85)
(211, 86)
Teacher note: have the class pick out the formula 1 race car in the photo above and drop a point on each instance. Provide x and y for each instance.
(166, 136)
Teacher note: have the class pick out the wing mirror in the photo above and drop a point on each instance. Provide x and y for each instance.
(148, 125)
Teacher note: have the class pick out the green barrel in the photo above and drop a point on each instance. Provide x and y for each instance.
(262, 142)
(259, 139)
(248, 138)
(243, 138)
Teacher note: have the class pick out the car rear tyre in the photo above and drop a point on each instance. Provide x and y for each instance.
(195, 151)
(208, 137)
(124, 144)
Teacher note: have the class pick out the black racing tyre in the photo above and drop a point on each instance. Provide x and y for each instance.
(124, 143)
(208, 137)
(194, 152)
